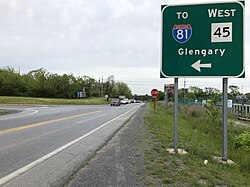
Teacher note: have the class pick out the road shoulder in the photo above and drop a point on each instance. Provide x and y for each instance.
(120, 162)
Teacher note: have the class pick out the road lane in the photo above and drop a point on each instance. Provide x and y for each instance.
(42, 114)
(20, 148)
(44, 123)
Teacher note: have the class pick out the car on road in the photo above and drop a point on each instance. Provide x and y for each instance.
(115, 102)
(123, 102)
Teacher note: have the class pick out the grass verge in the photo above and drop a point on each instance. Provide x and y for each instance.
(3, 112)
(199, 133)
(50, 101)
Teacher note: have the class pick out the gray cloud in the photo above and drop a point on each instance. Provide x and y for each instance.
(50, 33)
(95, 38)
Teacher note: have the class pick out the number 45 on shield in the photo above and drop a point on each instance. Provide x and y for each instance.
(221, 32)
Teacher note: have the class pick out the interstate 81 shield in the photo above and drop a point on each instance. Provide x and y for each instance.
(182, 33)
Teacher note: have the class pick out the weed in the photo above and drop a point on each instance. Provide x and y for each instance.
(199, 133)
(3, 112)
(168, 181)
(242, 141)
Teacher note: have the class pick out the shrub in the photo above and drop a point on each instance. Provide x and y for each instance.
(242, 141)
(192, 111)
(213, 116)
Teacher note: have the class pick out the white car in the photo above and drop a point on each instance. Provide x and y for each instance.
(123, 102)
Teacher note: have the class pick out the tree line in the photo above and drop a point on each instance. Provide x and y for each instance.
(41, 83)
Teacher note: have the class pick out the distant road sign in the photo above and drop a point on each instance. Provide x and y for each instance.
(154, 92)
(203, 40)
(169, 87)
(79, 94)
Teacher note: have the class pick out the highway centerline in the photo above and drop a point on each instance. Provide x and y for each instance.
(45, 123)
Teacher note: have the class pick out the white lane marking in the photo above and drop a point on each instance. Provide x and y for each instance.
(20, 116)
(22, 170)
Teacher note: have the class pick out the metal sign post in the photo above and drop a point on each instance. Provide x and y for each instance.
(166, 99)
(176, 115)
(224, 120)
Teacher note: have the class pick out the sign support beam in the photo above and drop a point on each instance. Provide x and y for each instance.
(166, 99)
(176, 115)
(224, 120)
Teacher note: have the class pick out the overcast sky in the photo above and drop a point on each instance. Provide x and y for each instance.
(96, 38)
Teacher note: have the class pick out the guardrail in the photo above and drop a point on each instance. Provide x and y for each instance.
(241, 109)
(244, 118)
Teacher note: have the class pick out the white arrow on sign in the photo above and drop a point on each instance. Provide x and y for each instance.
(197, 65)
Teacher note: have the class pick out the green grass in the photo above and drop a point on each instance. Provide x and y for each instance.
(3, 112)
(49, 101)
(199, 133)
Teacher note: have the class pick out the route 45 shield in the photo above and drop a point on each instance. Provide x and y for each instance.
(182, 33)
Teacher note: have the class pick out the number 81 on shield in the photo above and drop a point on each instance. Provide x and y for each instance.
(182, 33)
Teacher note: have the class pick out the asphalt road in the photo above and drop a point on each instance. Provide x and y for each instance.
(119, 163)
(45, 145)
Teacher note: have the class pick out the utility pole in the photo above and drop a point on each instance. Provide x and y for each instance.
(102, 87)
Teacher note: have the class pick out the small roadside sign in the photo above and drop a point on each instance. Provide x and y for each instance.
(230, 103)
(154, 92)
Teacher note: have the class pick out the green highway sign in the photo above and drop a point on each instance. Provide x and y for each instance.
(203, 40)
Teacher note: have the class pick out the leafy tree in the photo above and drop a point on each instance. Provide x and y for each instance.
(142, 97)
(114, 89)
(181, 93)
(41, 83)
(248, 96)
(195, 92)
(212, 93)
(11, 82)
(161, 96)
(38, 83)
(123, 89)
